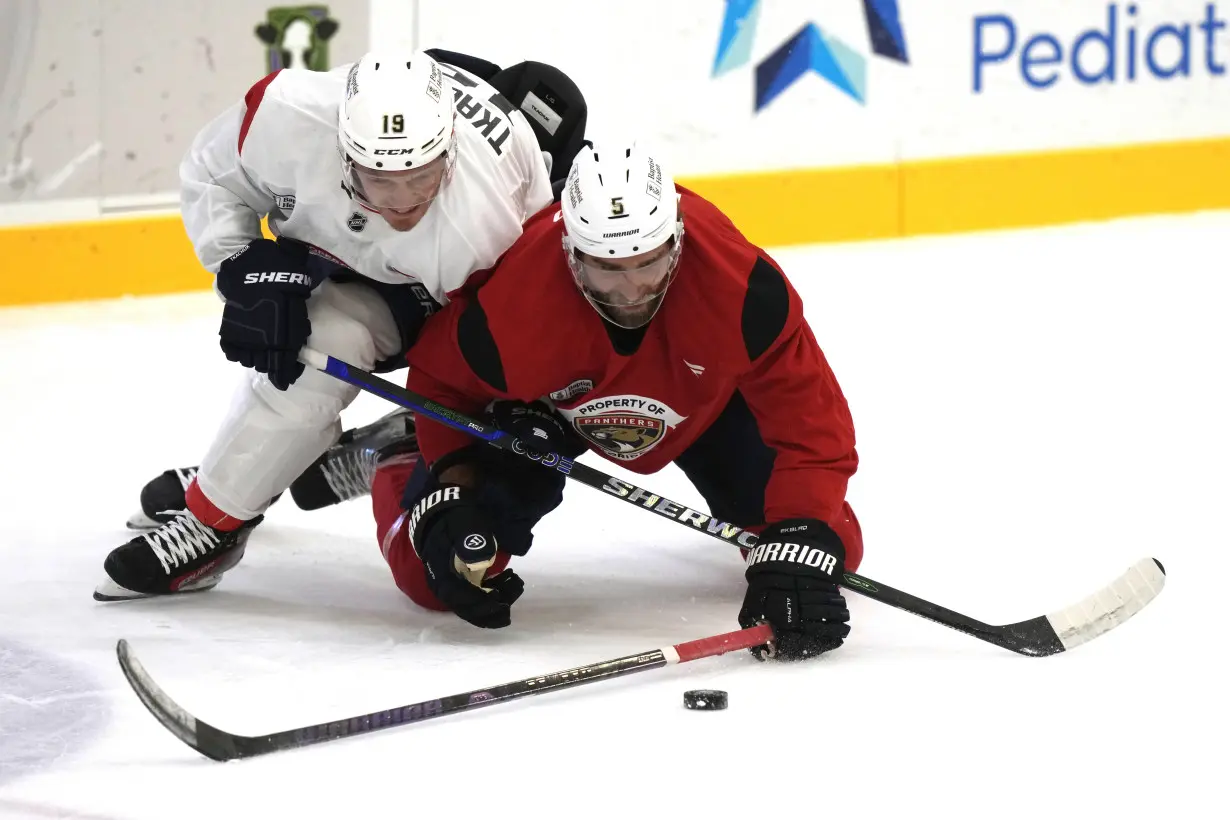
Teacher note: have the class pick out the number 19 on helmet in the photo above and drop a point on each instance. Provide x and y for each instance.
(395, 134)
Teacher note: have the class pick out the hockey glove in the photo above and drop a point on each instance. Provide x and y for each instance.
(265, 321)
(527, 489)
(792, 585)
(453, 539)
(540, 430)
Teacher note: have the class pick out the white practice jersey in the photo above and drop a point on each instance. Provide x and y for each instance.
(275, 154)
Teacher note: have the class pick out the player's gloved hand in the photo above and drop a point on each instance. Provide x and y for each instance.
(792, 576)
(536, 424)
(453, 539)
(265, 321)
(529, 484)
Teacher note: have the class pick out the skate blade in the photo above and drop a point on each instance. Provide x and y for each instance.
(109, 591)
(141, 521)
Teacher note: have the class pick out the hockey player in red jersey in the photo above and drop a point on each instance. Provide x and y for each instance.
(634, 320)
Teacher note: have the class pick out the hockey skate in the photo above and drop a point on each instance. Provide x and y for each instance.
(345, 470)
(342, 472)
(162, 499)
(182, 555)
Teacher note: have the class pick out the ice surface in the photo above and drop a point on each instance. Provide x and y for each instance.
(1036, 411)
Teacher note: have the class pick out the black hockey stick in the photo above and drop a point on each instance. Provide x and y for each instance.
(220, 745)
(1044, 635)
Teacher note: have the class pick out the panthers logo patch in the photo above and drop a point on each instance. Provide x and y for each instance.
(623, 427)
(624, 436)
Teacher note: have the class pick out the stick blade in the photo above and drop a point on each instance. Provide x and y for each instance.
(1096, 615)
(1111, 606)
(213, 743)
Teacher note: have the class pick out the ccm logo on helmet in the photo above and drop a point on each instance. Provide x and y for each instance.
(392, 152)
(794, 553)
(278, 276)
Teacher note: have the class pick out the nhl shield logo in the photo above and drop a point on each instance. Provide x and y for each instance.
(357, 222)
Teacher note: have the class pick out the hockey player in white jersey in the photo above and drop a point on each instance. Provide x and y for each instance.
(387, 183)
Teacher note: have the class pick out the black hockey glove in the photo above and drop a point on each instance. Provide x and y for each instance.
(265, 321)
(540, 430)
(792, 585)
(451, 535)
(530, 487)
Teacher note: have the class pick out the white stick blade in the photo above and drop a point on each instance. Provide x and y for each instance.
(1107, 608)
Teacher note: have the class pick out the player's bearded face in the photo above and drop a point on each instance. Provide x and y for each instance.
(402, 197)
(627, 291)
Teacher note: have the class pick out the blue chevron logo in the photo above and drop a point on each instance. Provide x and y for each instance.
(808, 49)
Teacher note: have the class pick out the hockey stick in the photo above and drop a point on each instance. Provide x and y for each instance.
(217, 744)
(1044, 635)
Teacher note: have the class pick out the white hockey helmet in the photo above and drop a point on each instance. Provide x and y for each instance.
(395, 129)
(623, 232)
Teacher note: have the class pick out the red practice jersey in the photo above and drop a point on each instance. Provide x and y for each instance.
(729, 321)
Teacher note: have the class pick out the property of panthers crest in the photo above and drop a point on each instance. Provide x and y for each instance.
(625, 427)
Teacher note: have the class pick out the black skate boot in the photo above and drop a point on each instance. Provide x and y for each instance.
(183, 555)
(345, 470)
(162, 498)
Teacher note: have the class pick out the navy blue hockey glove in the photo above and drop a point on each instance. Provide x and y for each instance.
(792, 576)
(540, 430)
(265, 321)
(531, 489)
(453, 539)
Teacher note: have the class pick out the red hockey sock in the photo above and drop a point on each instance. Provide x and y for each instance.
(207, 513)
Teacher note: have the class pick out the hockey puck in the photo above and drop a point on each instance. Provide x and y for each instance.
(704, 700)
